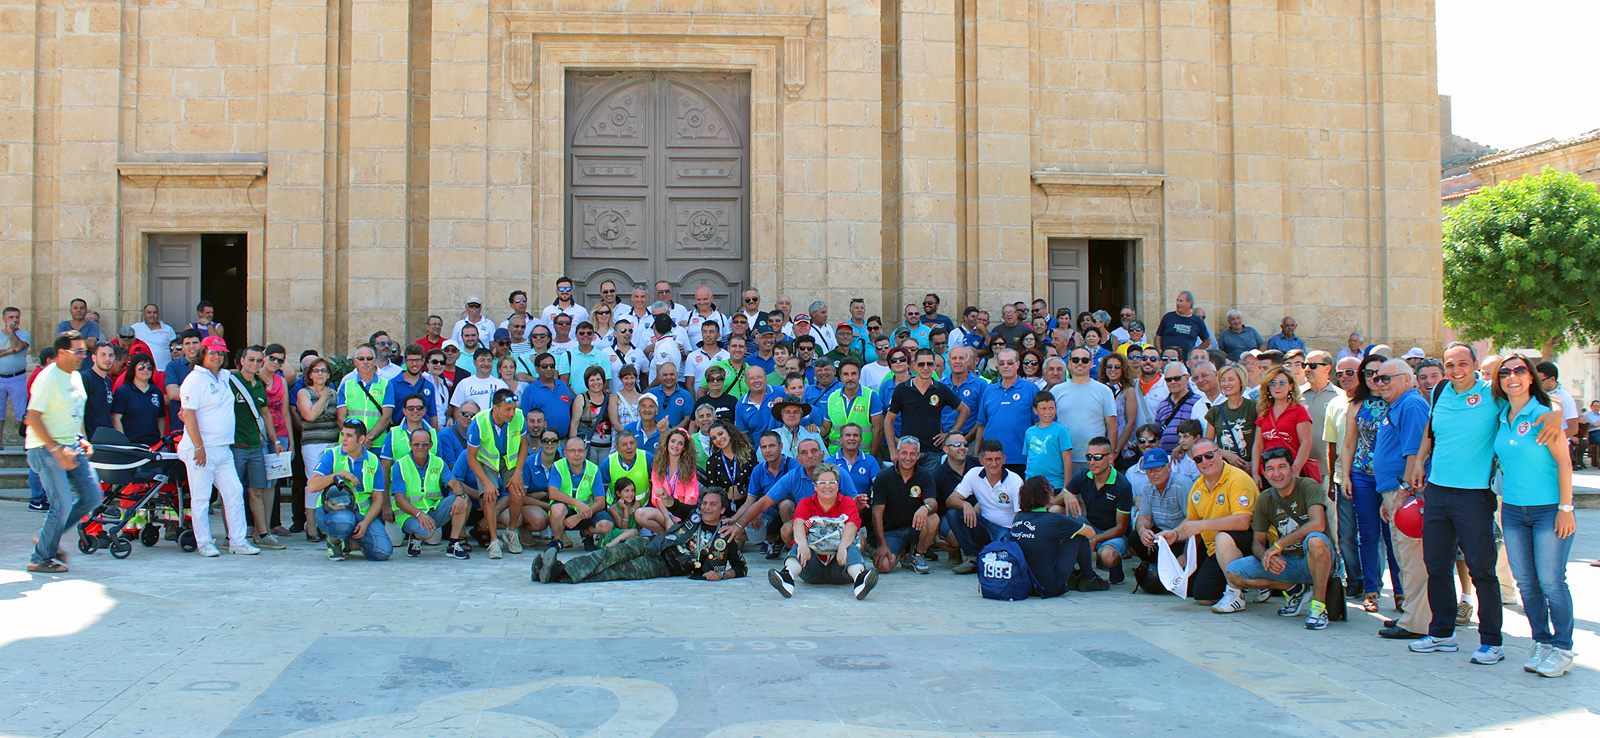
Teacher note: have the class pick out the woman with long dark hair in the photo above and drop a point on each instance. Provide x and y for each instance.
(1055, 546)
(730, 461)
(137, 408)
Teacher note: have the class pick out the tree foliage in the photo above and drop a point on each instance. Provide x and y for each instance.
(1522, 263)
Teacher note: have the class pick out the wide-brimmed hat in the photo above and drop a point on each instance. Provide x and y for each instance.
(790, 401)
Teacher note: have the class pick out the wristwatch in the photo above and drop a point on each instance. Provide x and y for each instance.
(1564, 508)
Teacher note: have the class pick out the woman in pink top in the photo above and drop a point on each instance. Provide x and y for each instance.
(1282, 421)
(674, 484)
(278, 411)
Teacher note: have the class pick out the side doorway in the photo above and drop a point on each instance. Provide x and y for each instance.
(1091, 274)
(184, 268)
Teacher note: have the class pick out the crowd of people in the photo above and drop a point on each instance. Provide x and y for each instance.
(672, 439)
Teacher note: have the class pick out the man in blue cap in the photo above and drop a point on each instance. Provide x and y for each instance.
(1161, 497)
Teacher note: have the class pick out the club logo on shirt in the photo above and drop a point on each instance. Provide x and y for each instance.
(1522, 428)
(934, 400)
(1244, 501)
(678, 401)
(1474, 399)
(1222, 498)
(1196, 498)
(1004, 498)
(966, 393)
(156, 401)
(1016, 396)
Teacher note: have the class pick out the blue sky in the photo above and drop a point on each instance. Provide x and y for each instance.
(1520, 72)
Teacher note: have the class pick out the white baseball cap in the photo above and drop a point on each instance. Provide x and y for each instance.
(1415, 352)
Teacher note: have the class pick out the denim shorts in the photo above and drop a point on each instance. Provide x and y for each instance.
(1118, 544)
(251, 464)
(1295, 568)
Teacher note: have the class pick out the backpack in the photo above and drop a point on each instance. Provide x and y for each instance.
(1003, 573)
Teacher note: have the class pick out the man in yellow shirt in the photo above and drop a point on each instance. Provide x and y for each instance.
(57, 451)
(1219, 510)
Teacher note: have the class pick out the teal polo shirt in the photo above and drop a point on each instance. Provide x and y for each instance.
(1464, 427)
(1530, 470)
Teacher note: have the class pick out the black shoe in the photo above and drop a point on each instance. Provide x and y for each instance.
(1354, 591)
(589, 544)
(1092, 583)
(931, 555)
(39, 506)
(773, 550)
(547, 563)
(864, 582)
(538, 562)
(457, 550)
(1390, 623)
(414, 548)
(781, 581)
(1116, 574)
(1395, 632)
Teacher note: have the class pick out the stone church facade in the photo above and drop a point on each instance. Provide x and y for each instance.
(324, 169)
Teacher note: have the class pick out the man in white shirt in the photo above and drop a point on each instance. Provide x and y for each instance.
(206, 399)
(384, 347)
(517, 328)
(481, 386)
(678, 313)
(1549, 378)
(1124, 321)
(664, 347)
(983, 504)
(562, 338)
(565, 304)
(709, 352)
(155, 334)
(753, 314)
(706, 310)
(637, 311)
(827, 340)
(519, 308)
(474, 317)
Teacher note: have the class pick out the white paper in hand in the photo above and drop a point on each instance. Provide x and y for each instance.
(1175, 578)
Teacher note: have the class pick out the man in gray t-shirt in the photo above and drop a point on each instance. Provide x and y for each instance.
(1086, 407)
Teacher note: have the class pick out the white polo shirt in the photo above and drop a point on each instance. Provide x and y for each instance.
(997, 503)
(211, 398)
(158, 339)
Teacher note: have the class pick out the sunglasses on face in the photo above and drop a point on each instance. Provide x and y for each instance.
(602, 312)
(1519, 370)
(1081, 360)
(541, 336)
(897, 360)
(474, 305)
(452, 350)
(436, 362)
(924, 365)
(1382, 378)
(547, 366)
(608, 292)
(1207, 456)
(564, 289)
(520, 301)
(1095, 457)
(1179, 378)
(1147, 441)
(358, 358)
(503, 342)
(956, 444)
(1030, 362)
(1149, 357)
(1369, 373)
(1316, 364)
(1345, 373)
(549, 440)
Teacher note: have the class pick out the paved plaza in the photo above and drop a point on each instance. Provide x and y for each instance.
(290, 644)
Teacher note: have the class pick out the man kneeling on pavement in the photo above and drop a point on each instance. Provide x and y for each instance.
(1291, 551)
(695, 549)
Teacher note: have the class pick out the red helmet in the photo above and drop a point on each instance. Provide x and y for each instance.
(1408, 519)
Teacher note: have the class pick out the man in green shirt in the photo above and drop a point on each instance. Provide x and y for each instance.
(250, 444)
(57, 451)
(1292, 550)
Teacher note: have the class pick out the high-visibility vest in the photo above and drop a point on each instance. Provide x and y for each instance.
(585, 489)
(489, 453)
(369, 475)
(400, 440)
(859, 411)
(640, 474)
(358, 406)
(422, 489)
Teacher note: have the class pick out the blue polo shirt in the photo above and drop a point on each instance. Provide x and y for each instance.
(324, 467)
(177, 371)
(451, 444)
(862, 472)
(761, 480)
(754, 418)
(796, 486)
(397, 485)
(971, 393)
(395, 394)
(1006, 414)
(1529, 468)
(533, 476)
(1464, 426)
(555, 402)
(675, 406)
(1399, 436)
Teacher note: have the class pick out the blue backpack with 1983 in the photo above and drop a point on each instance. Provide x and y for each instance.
(1003, 573)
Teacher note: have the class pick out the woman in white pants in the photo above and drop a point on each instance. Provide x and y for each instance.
(206, 406)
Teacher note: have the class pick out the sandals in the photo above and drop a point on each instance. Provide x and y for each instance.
(1369, 602)
(1400, 603)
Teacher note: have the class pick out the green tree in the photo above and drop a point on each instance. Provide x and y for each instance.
(1522, 263)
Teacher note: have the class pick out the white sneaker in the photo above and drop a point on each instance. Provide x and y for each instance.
(244, 549)
(513, 542)
(494, 548)
(1232, 601)
(208, 550)
(1557, 664)
(1261, 596)
(1541, 651)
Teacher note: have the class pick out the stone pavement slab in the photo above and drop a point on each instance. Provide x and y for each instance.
(288, 643)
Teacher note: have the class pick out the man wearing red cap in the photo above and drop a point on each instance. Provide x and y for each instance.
(206, 403)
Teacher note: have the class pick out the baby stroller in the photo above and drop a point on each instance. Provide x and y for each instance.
(145, 491)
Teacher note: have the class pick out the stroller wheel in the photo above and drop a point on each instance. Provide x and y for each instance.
(150, 535)
(86, 543)
(186, 540)
(121, 548)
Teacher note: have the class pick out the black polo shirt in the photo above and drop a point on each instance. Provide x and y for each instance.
(1101, 505)
(920, 412)
(901, 497)
(946, 479)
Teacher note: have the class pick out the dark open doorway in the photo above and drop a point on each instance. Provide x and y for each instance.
(222, 281)
(1110, 275)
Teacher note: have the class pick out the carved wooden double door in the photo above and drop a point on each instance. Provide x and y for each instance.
(658, 182)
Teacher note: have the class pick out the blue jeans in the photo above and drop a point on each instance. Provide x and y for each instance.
(1370, 528)
(72, 495)
(973, 539)
(375, 545)
(1349, 547)
(35, 487)
(440, 515)
(1539, 564)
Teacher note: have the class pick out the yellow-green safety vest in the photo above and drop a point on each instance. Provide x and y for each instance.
(640, 474)
(400, 440)
(358, 406)
(489, 454)
(428, 483)
(369, 475)
(859, 412)
(585, 491)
